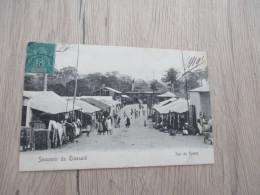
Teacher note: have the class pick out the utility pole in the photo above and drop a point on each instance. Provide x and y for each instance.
(45, 82)
(186, 86)
(76, 82)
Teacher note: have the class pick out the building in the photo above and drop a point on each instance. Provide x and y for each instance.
(200, 98)
(107, 91)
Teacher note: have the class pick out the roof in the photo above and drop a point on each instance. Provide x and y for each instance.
(96, 103)
(204, 88)
(178, 106)
(164, 102)
(87, 107)
(126, 96)
(98, 97)
(142, 92)
(110, 89)
(49, 102)
(167, 94)
(105, 99)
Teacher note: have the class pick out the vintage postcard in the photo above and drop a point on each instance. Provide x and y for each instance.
(89, 107)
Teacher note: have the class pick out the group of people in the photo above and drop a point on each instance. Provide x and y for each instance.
(104, 125)
(202, 126)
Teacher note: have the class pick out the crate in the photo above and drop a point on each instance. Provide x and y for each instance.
(42, 139)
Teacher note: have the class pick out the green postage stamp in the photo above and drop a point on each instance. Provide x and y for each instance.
(40, 58)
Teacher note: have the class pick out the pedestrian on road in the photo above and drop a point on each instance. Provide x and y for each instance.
(104, 126)
(100, 127)
(127, 122)
(109, 125)
(118, 122)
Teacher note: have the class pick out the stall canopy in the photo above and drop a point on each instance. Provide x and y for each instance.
(165, 102)
(49, 102)
(96, 103)
(178, 106)
(167, 95)
(86, 107)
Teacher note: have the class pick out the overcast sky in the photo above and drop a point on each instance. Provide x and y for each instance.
(139, 63)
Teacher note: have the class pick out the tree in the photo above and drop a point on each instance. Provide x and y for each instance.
(154, 85)
(141, 84)
(170, 77)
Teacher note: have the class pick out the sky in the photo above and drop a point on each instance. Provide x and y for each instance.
(139, 63)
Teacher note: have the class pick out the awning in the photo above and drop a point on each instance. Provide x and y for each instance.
(178, 106)
(49, 102)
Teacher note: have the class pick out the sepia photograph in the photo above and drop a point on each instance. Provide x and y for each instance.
(112, 107)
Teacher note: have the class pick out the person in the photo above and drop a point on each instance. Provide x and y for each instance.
(100, 127)
(118, 122)
(185, 130)
(104, 126)
(115, 120)
(210, 123)
(143, 111)
(199, 127)
(88, 127)
(124, 114)
(127, 122)
(109, 125)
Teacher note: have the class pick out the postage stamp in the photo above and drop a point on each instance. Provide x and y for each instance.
(40, 58)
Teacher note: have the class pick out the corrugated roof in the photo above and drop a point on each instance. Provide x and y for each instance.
(167, 94)
(126, 96)
(87, 107)
(96, 103)
(109, 88)
(98, 97)
(164, 102)
(49, 102)
(178, 106)
(105, 99)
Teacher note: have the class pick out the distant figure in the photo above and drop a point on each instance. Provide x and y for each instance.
(127, 122)
(185, 130)
(118, 121)
(143, 111)
(124, 114)
(109, 125)
(104, 126)
(145, 123)
(100, 127)
(200, 128)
